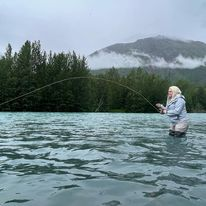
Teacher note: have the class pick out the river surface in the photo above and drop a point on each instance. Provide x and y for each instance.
(100, 159)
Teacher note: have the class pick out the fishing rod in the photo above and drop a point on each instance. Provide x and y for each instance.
(80, 77)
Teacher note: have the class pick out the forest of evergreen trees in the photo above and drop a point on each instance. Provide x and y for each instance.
(31, 68)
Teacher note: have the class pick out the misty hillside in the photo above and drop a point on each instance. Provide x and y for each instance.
(195, 76)
(154, 51)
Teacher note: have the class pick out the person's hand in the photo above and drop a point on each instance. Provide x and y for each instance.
(162, 111)
(161, 108)
(158, 105)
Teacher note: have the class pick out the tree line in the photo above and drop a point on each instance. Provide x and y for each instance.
(31, 68)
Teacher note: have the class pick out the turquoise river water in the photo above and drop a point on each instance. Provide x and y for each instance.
(100, 159)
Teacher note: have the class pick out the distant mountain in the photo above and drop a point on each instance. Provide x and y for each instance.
(156, 51)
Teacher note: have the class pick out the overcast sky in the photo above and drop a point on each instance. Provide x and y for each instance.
(88, 25)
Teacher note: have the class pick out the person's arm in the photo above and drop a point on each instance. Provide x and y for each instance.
(179, 106)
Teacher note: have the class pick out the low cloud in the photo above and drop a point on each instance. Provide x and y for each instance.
(112, 59)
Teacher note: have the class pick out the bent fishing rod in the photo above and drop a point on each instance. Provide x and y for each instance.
(80, 77)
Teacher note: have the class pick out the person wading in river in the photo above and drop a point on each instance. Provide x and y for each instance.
(176, 111)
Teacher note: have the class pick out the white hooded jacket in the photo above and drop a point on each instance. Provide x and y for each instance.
(176, 109)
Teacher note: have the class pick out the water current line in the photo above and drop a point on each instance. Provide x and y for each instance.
(81, 77)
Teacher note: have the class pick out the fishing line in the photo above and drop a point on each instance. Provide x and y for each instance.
(73, 78)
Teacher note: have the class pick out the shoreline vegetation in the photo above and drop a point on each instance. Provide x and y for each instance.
(31, 68)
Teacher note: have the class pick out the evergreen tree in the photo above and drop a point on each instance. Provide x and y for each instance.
(114, 91)
(6, 63)
(23, 78)
(80, 89)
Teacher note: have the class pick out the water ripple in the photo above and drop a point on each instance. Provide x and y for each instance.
(100, 159)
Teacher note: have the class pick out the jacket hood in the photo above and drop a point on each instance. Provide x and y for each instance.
(169, 101)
